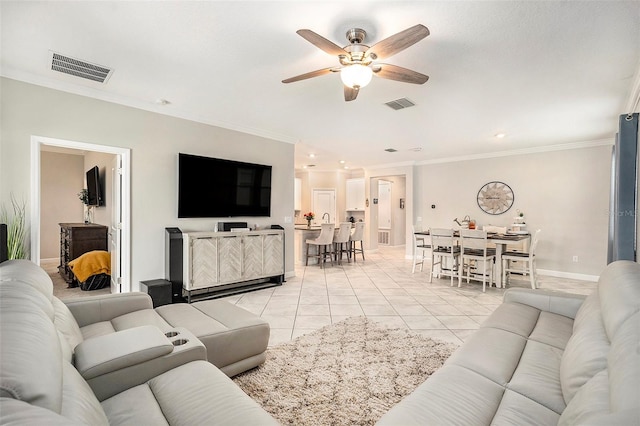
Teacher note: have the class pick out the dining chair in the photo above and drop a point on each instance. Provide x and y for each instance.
(420, 248)
(357, 235)
(341, 241)
(323, 244)
(473, 250)
(443, 247)
(527, 260)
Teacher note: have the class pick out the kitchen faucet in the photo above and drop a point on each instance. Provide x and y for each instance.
(328, 217)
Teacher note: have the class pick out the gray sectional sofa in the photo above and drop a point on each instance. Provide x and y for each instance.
(542, 358)
(54, 370)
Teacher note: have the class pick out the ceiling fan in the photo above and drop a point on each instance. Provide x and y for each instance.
(357, 59)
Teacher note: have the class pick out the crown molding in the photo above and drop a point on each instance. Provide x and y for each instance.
(524, 151)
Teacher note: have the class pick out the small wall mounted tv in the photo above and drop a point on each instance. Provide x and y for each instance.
(94, 187)
(214, 187)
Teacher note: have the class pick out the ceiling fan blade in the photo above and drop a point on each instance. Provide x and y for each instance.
(394, 72)
(350, 94)
(322, 43)
(311, 74)
(398, 42)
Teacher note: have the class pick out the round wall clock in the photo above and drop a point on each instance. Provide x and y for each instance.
(495, 198)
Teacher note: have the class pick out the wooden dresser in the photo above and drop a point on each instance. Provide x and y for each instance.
(77, 239)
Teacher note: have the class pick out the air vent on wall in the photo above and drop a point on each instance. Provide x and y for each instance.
(401, 103)
(391, 150)
(78, 68)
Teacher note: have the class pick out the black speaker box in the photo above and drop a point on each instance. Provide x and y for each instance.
(159, 290)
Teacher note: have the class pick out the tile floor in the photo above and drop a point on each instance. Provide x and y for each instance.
(382, 288)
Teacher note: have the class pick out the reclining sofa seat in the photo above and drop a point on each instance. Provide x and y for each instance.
(236, 340)
(39, 383)
(542, 358)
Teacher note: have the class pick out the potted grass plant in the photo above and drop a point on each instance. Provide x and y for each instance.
(16, 229)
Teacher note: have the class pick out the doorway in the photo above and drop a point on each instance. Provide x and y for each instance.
(324, 202)
(120, 190)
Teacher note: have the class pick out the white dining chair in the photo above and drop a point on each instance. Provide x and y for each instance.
(527, 261)
(420, 248)
(357, 235)
(323, 244)
(341, 241)
(473, 250)
(443, 247)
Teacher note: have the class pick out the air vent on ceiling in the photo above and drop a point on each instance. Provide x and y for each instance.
(78, 68)
(401, 103)
(391, 150)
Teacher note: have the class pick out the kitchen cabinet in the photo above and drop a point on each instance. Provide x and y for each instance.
(355, 196)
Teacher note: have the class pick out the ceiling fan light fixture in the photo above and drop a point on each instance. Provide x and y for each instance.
(356, 75)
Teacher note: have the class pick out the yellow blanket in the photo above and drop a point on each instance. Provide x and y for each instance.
(91, 263)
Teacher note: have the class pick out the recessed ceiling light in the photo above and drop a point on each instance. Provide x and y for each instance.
(341, 161)
(312, 156)
(500, 135)
(304, 167)
(346, 167)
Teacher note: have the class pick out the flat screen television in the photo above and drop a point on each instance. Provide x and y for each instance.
(213, 187)
(94, 187)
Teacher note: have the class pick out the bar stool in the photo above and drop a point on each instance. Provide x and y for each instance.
(420, 248)
(529, 260)
(322, 243)
(443, 247)
(358, 235)
(341, 241)
(474, 249)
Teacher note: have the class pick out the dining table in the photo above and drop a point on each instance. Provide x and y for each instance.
(501, 241)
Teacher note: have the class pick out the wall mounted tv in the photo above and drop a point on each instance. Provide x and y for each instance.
(94, 187)
(213, 187)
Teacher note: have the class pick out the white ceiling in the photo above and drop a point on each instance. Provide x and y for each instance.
(543, 72)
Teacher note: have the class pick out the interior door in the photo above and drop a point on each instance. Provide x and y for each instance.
(384, 204)
(324, 201)
(115, 228)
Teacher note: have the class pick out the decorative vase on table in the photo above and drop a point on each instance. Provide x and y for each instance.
(309, 223)
(88, 215)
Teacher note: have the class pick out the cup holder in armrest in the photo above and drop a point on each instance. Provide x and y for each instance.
(179, 342)
(171, 333)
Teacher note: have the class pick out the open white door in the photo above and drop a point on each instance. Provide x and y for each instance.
(115, 229)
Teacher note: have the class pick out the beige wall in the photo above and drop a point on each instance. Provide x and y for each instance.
(101, 214)
(155, 141)
(564, 193)
(61, 178)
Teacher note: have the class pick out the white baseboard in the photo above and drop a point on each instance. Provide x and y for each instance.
(289, 274)
(570, 275)
(53, 259)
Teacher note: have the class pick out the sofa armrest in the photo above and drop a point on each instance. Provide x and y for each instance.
(89, 310)
(105, 354)
(122, 360)
(565, 304)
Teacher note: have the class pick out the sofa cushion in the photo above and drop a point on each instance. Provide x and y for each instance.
(586, 352)
(66, 324)
(30, 355)
(78, 400)
(235, 338)
(29, 273)
(196, 393)
(15, 412)
(619, 294)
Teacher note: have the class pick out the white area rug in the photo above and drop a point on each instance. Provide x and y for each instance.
(349, 373)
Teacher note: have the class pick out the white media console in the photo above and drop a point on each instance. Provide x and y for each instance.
(216, 264)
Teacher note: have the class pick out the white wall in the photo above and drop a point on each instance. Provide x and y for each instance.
(155, 141)
(564, 193)
(61, 178)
